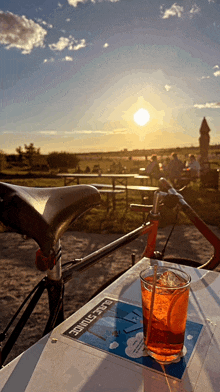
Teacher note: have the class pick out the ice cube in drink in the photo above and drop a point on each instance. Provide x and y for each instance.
(167, 319)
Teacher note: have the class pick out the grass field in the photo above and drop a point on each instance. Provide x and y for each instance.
(206, 202)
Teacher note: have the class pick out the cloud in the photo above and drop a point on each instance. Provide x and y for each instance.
(119, 130)
(174, 10)
(177, 10)
(41, 21)
(61, 44)
(90, 131)
(216, 67)
(21, 33)
(135, 346)
(194, 10)
(205, 77)
(211, 105)
(216, 73)
(167, 87)
(93, 132)
(48, 132)
(75, 3)
(67, 58)
(113, 345)
(51, 60)
(70, 43)
(79, 45)
(105, 45)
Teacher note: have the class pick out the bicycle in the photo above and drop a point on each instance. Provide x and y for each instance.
(44, 214)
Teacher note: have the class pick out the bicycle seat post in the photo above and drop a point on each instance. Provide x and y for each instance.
(55, 288)
(56, 272)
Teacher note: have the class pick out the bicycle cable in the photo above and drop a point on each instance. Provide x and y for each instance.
(3, 334)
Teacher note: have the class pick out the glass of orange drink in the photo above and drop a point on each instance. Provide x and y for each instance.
(165, 295)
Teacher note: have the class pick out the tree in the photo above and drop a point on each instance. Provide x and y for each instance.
(29, 153)
(62, 160)
(2, 160)
(20, 154)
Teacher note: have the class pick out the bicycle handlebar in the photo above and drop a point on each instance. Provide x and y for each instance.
(165, 185)
(198, 223)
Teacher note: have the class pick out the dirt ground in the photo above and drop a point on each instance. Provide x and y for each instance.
(19, 274)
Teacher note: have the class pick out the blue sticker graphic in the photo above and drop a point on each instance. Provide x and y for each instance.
(117, 327)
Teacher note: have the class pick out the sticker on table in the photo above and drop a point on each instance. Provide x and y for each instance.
(117, 327)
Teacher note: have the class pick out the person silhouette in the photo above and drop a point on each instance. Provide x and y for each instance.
(175, 169)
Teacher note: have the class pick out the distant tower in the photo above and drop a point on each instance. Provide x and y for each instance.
(204, 144)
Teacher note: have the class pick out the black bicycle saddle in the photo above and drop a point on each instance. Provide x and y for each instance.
(44, 214)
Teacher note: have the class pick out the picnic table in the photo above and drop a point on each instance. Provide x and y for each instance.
(108, 193)
(76, 177)
(106, 189)
(100, 347)
(118, 182)
(143, 190)
(70, 178)
(121, 179)
(144, 180)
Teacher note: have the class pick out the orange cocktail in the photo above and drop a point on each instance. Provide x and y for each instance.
(165, 294)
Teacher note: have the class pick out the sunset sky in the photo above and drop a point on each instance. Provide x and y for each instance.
(74, 73)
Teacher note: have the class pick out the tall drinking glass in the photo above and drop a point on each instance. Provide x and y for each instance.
(165, 294)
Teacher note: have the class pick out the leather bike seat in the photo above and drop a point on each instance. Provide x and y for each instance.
(44, 214)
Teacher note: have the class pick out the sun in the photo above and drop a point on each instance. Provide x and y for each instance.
(141, 117)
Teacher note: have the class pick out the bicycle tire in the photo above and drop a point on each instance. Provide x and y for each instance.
(110, 281)
(170, 259)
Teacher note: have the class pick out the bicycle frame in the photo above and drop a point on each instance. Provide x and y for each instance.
(149, 228)
(58, 276)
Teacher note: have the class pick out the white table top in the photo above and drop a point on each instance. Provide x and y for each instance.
(85, 175)
(141, 177)
(113, 360)
(113, 175)
(78, 175)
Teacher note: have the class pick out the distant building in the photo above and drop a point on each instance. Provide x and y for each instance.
(204, 140)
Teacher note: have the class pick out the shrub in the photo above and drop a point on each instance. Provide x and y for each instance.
(2, 160)
(64, 160)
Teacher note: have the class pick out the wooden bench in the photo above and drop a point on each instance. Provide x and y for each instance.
(70, 178)
(109, 191)
(143, 179)
(144, 190)
(112, 193)
(100, 186)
